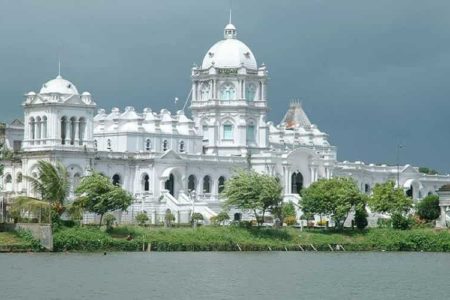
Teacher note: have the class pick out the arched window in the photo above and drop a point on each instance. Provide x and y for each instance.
(76, 180)
(165, 145)
(228, 131)
(64, 126)
(250, 92)
(148, 145)
(8, 178)
(410, 192)
(82, 130)
(237, 217)
(250, 134)
(146, 183)
(206, 184)
(205, 132)
(227, 92)
(182, 146)
(95, 145)
(32, 128)
(170, 184)
(108, 145)
(367, 188)
(204, 91)
(221, 184)
(297, 183)
(19, 178)
(38, 128)
(192, 182)
(44, 128)
(116, 179)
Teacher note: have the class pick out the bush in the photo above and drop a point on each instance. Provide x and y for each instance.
(141, 218)
(428, 208)
(401, 222)
(361, 218)
(109, 221)
(290, 220)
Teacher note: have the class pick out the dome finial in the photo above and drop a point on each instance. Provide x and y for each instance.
(229, 21)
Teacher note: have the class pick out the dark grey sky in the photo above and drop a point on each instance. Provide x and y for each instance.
(371, 74)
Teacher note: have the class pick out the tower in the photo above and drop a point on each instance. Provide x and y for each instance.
(58, 117)
(229, 102)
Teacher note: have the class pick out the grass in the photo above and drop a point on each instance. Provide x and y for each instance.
(248, 239)
(14, 242)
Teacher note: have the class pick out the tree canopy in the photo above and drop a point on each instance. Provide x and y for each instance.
(97, 194)
(428, 208)
(253, 192)
(332, 197)
(388, 199)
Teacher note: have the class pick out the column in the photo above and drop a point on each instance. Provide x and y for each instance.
(68, 126)
(77, 133)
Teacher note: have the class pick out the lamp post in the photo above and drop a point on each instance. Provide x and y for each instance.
(399, 146)
(192, 198)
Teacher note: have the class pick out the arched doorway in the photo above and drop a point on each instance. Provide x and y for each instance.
(170, 184)
(410, 192)
(192, 181)
(297, 183)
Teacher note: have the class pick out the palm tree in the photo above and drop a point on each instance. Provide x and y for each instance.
(51, 187)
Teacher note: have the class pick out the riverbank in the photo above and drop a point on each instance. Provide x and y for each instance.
(17, 242)
(248, 239)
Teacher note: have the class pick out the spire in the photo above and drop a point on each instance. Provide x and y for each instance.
(59, 68)
(229, 21)
(295, 116)
(230, 30)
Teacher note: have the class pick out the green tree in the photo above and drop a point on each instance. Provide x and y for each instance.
(285, 211)
(221, 218)
(109, 221)
(428, 208)
(141, 218)
(332, 197)
(196, 218)
(361, 217)
(97, 194)
(51, 187)
(169, 217)
(388, 199)
(253, 192)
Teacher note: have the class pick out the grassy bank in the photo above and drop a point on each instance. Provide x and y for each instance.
(253, 239)
(17, 242)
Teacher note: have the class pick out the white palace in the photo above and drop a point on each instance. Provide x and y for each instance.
(173, 161)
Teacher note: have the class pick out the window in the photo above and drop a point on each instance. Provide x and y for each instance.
(250, 133)
(227, 132)
(146, 183)
(108, 145)
(116, 179)
(148, 145)
(8, 178)
(95, 145)
(64, 126)
(191, 183)
(19, 178)
(297, 182)
(82, 130)
(205, 132)
(227, 92)
(206, 184)
(182, 146)
(250, 92)
(204, 92)
(32, 129)
(221, 184)
(73, 124)
(165, 145)
(44, 128)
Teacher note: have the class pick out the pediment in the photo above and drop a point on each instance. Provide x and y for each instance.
(170, 154)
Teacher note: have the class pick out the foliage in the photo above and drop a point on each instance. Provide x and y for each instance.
(428, 208)
(285, 211)
(290, 220)
(109, 221)
(428, 171)
(221, 218)
(386, 198)
(141, 218)
(332, 197)
(35, 206)
(361, 217)
(97, 194)
(196, 218)
(253, 192)
(401, 222)
(169, 217)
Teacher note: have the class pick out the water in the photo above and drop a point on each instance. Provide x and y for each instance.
(212, 275)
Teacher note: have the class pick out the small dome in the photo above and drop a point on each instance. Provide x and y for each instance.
(59, 85)
(229, 53)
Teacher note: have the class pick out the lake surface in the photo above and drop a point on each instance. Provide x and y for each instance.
(217, 275)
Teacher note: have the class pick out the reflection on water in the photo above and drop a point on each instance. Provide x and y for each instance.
(206, 275)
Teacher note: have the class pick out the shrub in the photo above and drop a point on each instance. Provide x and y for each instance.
(361, 218)
(290, 220)
(141, 218)
(428, 209)
(401, 222)
(168, 218)
(109, 221)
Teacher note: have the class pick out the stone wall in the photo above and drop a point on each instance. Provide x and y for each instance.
(40, 232)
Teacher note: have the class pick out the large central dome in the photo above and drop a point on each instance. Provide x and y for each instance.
(59, 85)
(229, 53)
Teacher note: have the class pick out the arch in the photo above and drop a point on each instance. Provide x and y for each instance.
(169, 185)
(64, 126)
(82, 130)
(227, 91)
(192, 183)
(38, 128)
(221, 184)
(237, 217)
(146, 182)
(250, 92)
(8, 178)
(8, 183)
(367, 188)
(165, 146)
(207, 184)
(297, 182)
(19, 177)
(116, 180)
(73, 122)
(32, 128)
(148, 145)
(76, 180)
(182, 149)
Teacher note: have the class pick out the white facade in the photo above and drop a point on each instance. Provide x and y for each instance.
(161, 157)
